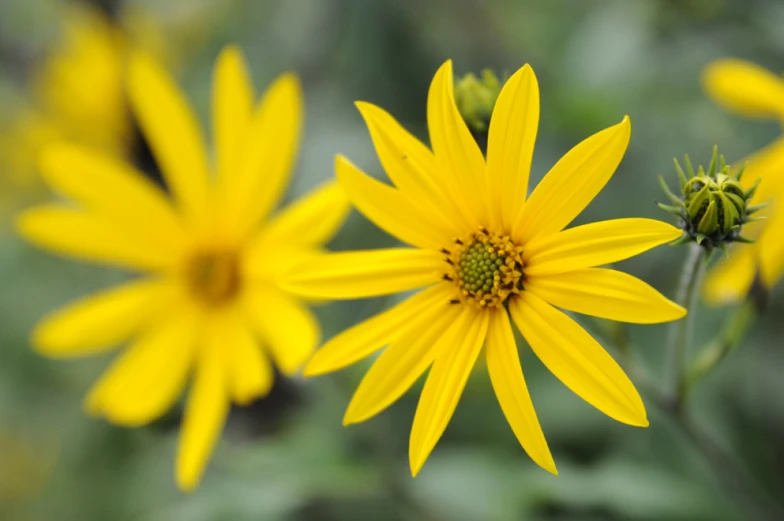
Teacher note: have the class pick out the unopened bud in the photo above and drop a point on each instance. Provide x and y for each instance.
(476, 97)
(712, 205)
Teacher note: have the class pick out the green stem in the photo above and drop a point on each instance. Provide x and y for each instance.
(731, 474)
(725, 342)
(680, 331)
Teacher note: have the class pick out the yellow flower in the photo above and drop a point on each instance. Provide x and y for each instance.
(749, 90)
(209, 303)
(76, 94)
(482, 249)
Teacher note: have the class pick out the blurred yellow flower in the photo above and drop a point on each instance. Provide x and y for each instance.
(76, 94)
(484, 252)
(209, 299)
(749, 90)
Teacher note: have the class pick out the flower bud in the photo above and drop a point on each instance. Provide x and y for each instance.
(476, 97)
(712, 205)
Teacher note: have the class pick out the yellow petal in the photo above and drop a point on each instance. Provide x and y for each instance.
(771, 247)
(100, 321)
(249, 374)
(369, 336)
(510, 146)
(456, 151)
(287, 326)
(411, 166)
(310, 221)
(731, 278)
(744, 88)
(360, 274)
(607, 294)
(232, 105)
(264, 261)
(77, 234)
(116, 191)
(506, 375)
(268, 158)
(573, 183)
(205, 415)
(768, 164)
(576, 359)
(172, 130)
(404, 361)
(595, 244)
(444, 385)
(390, 210)
(149, 376)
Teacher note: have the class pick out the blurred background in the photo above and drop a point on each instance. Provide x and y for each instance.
(287, 457)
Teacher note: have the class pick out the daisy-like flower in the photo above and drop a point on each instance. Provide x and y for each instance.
(208, 305)
(485, 252)
(749, 90)
(76, 93)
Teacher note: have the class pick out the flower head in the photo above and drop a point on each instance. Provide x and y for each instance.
(712, 205)
(208, 306)
(750, 90)
(483, 251)
(76, 94)
(475, 98)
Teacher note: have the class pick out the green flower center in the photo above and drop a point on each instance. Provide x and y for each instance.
(487, 268)
(213, 276)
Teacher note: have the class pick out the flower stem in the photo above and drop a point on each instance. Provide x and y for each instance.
(730, 473)
(725, 342)
(680, 331)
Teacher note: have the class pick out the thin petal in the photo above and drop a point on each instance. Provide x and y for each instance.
(771, 247)
(116, 191)
(205, 416)
(510, 146)
(287, 326)
(268, 159)
(100, 321)
(369, 336)
(744, 88)
(595, 244)
(312, 220)
(766, 163)
(146, 380)
(232, 105)
(77, 234)
(506, 375)
(576, 359)
(264, 261)
(360, 274)
(389, 209)
(249, 374)
(404, 361)
(456, 151)
(443, 387)
(410, 166)
(573, 183)
(609, 294)
(172, 130)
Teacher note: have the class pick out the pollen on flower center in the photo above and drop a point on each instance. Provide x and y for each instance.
(487, 268)
(213, 276)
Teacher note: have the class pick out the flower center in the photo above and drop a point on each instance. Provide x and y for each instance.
(213, 276)
(487, 268)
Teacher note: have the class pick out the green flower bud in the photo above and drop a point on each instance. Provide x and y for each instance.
(712, 206)
(475, 98)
